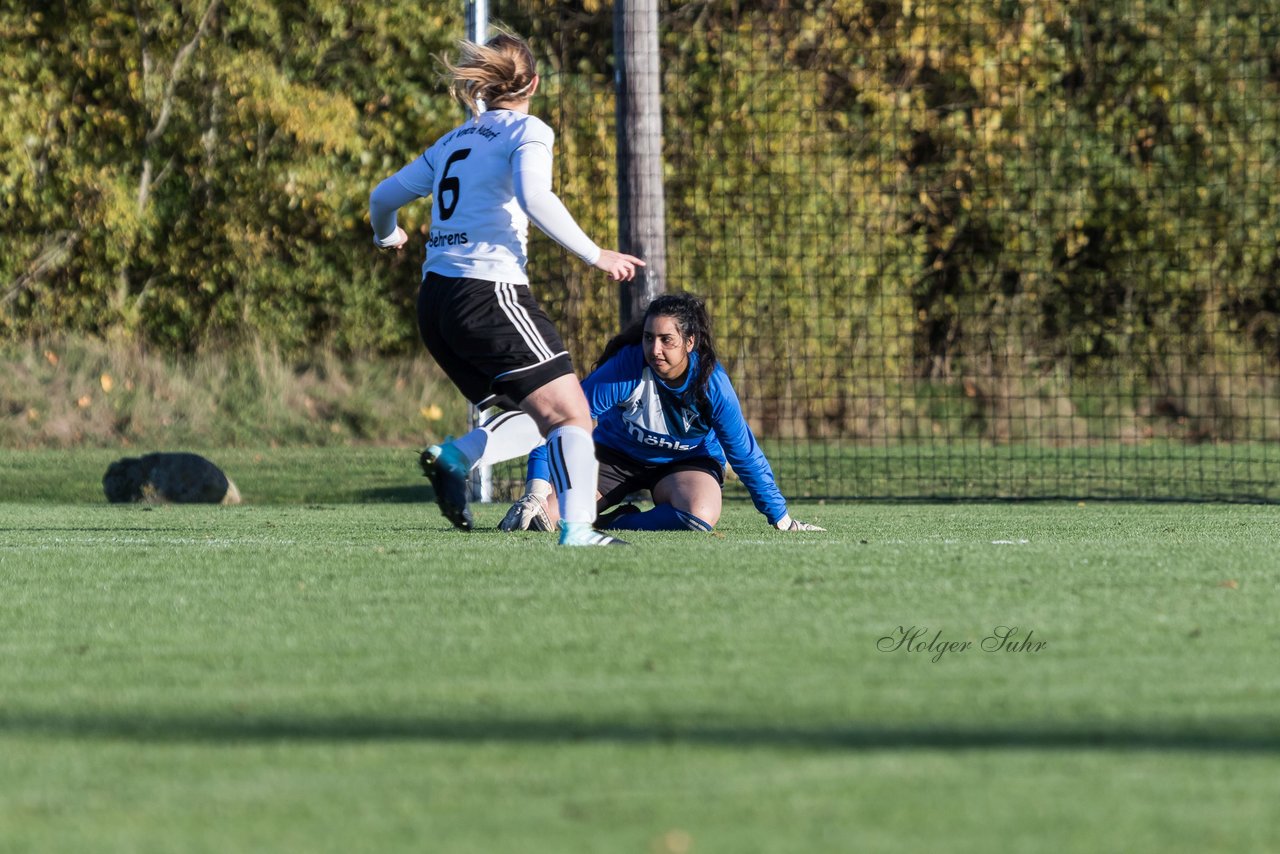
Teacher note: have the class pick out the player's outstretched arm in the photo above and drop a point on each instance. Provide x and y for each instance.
(531, 169)
(746, 457)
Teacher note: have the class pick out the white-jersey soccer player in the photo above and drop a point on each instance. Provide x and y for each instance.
(487, 179)
(501, 163)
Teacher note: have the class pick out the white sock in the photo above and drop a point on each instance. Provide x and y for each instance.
(573, 472)
(511, 435)
(505, 436)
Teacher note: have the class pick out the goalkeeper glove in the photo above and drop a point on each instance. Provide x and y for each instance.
(786, 523)
(528, 513)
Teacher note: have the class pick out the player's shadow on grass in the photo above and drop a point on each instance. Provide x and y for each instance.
(1226, 736)
(79, 529)
(398, 495)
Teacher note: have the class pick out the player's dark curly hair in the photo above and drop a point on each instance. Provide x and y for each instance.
(691, 317)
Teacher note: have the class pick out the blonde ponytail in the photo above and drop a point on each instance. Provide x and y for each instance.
(502, 70)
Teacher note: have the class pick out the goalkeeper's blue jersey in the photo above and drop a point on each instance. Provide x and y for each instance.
(639, 415)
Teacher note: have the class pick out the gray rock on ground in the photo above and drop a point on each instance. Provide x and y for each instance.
(168, 478)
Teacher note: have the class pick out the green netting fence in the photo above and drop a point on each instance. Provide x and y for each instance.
(958, 250)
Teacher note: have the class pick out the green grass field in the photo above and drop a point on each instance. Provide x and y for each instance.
(328, 668)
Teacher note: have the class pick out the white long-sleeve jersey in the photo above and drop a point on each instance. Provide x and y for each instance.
(488, 178)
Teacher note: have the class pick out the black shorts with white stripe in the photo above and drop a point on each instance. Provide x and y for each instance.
(491, 338)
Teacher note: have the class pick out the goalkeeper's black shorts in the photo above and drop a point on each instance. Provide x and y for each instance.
(492, 339)
(621, 475)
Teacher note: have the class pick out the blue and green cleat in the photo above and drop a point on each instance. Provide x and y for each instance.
(447, 471)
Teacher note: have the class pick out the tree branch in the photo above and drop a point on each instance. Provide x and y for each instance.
(175, 73)
(56, 251)
(144, 49)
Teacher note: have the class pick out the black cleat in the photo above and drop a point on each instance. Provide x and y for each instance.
(450, 485)
(604, 520)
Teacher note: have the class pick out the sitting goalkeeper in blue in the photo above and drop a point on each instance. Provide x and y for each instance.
(667, 420)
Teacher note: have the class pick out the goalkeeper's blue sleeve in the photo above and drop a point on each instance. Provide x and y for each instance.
(539, 467)
(741, 450)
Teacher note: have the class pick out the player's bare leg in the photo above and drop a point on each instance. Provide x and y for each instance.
(560, 410)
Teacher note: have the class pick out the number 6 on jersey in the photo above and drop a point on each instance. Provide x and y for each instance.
(450, 184)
